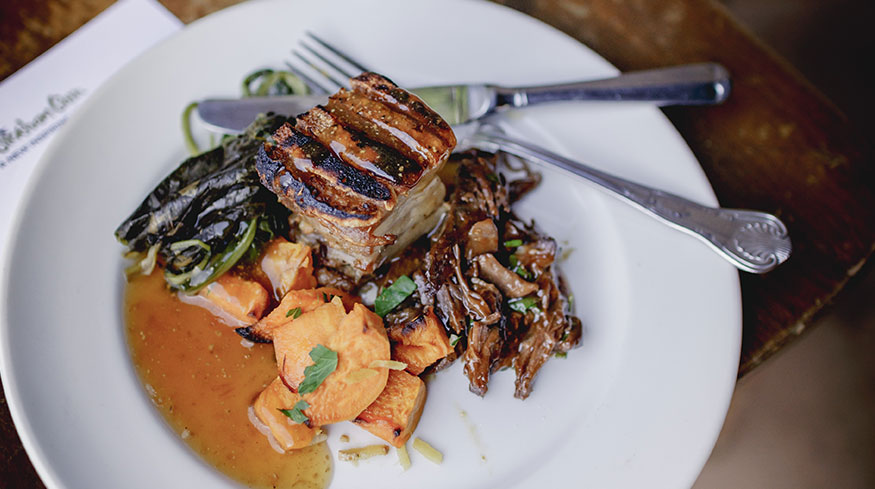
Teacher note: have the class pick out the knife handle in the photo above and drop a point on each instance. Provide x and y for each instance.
(695, 84)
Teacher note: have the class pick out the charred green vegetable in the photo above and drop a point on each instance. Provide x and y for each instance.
(209, 213)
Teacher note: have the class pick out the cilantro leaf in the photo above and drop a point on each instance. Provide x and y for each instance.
(324, 362)
(294, 313)
(296, 413)
(394, 295)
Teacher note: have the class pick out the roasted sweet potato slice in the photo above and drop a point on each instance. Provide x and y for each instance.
(294, 303)
(358, 338)
(288, 266)
(420, 343)
(288, 434)
(395, 413)
(243, 300)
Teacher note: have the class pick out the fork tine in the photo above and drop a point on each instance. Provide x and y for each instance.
(327, 61)
(321, 71)
(337, 52)
(314, 86)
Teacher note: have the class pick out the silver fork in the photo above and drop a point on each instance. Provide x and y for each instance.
(320, 65)
(753, 241)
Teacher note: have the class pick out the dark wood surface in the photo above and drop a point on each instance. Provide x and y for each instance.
(777, 145)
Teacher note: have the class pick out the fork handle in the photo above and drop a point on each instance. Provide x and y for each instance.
(694, 84)
(753, 241)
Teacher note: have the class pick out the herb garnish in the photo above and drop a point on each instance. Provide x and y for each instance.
(394, 295)
(522, 272)
(518, 268)
(296, 413)
(524, 305)
(454, 338)
(324, 362)
(513, 243)
(294, 313)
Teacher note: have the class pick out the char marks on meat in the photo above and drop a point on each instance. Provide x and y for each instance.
(367, 178)
(360, 173)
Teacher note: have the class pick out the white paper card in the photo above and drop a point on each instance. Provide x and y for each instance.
(38, 99)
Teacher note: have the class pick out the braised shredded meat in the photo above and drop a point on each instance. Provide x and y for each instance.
(490, 278)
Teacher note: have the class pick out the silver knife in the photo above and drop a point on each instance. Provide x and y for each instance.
(697, 84)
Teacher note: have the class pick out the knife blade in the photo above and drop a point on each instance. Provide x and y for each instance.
(694, 84)
(234, 115)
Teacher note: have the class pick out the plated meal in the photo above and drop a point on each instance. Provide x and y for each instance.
(638, 404)
(354, 254)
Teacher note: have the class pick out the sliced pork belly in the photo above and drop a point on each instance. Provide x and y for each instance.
(360, 173)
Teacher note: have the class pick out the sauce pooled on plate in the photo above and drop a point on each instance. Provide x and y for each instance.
(203, 382)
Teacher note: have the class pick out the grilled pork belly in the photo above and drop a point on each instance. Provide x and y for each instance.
(360, 173)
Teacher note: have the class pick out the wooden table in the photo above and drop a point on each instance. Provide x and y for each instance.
(777, 145)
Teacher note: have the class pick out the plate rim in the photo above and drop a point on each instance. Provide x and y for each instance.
(21, 420)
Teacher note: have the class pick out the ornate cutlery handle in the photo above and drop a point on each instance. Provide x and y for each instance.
(697, 84)
(753, 241)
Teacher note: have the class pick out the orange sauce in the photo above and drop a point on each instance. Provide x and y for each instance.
(203, 381)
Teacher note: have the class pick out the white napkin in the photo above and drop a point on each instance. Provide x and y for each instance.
(38, 99)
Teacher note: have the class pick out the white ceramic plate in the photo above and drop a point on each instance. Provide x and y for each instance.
(640, 404)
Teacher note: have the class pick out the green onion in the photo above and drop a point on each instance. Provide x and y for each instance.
(186, 243)
(272, 82)
(194, 280)
(522, 272)
(324, 362)
(247, 82)
(523, 305)
(513, 243)
(265, 227)
(515, 265)
(454, 339)
(190, 143)
(266, 83)
(294, 313)
(178, 280)
(231, 256)
(296, 413)
(561, 354)
(393, 295)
